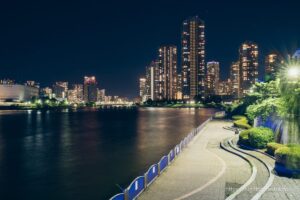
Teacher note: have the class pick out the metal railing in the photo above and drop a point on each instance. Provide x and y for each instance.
(139, 184)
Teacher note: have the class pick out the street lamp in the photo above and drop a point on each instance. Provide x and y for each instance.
(293, 72)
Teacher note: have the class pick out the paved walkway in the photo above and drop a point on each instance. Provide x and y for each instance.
(202, 170)
(282, 187)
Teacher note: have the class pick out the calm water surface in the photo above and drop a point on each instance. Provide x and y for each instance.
(84, 154)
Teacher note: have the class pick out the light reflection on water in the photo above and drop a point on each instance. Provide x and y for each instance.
(84, 154)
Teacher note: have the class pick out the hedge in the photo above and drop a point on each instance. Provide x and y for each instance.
(256, 137)
(289, 156)
(259, 137)
(241, 122)
(273, 146)
(244, 137)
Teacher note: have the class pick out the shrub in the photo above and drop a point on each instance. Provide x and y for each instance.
(289, 156)
(244, 137)
(272, 147)
(241, 122)
(260, 136)
(237, 117)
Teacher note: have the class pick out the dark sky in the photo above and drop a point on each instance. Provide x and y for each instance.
(49, 41)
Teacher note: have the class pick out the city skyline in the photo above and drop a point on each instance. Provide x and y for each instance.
(68, 57)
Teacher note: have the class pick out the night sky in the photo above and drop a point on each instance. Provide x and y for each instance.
(49, 41)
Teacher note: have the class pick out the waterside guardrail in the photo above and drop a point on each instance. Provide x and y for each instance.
(139, 184)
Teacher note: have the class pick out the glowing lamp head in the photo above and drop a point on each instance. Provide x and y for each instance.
(294, 72)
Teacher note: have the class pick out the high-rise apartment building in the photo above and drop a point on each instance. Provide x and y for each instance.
(60, 89)
(90, 89)
(272, 66)
(193, 58)
(142, 87)
(213, 77)
(248, 60)
(235, 79)
(225, 88)
(167, 64)
(75, 95)
(152, 79)
(179, 87)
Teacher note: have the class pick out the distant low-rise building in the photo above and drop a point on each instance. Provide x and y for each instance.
(17, 92)
(101, 95)
(47, 92)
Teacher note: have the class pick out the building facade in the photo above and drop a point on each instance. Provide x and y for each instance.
(193, 58)
(17, 92)
(101, 95)
(235, 79)
(213, 77)
(167, 64)
(152, 80)
(248, 61)
(90, 90)
(143, 89)
(60, 89)
(272, 66)
(225, 88)
(75, 95)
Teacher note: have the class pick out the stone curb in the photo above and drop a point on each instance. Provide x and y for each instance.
(271, 175)
(253, 169)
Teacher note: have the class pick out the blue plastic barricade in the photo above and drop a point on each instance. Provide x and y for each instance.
(136, 187)
(152, 173)
(163, 163)
(118, 197)
(171, 155)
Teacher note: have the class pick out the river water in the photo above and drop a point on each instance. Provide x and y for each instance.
(85, 154)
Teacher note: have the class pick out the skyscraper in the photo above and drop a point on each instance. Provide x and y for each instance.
(60, 89)
(90, 89)
(75, 95)
(248, 66)
(213, 77)
(142, 91)
(193, 58)
(235, 79)
(167, 63)
(225, 88)
(272, 65)
(151, 80)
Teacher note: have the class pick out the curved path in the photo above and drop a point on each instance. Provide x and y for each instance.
(202, 170)
(261, 178)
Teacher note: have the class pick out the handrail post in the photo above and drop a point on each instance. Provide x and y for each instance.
(145, 180)
(126, 194)
(158, 168)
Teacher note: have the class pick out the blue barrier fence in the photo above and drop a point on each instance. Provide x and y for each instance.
(142, 182)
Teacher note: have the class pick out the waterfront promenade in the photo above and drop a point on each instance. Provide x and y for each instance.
(206, 171)
(203, 170)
